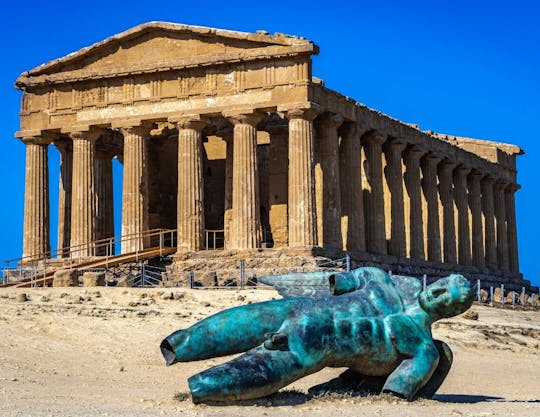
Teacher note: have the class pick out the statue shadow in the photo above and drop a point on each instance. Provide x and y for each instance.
(475, 399)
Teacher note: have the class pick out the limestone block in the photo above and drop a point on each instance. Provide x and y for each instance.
(93, 279)
(484, 296)
(66, 278)
(508, 298)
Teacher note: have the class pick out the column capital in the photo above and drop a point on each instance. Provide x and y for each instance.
(500, 185)
(330, 120)
(190, 121)
(447, 166)
(374, 137)
(395, 145)
(249, 117)
(414, 151)
(37, 140)
(349, 129)
(306, 111)
(91, 135)
(513, 187)
(462, 170)
(140, 130)
(432, 159)
(476, 175)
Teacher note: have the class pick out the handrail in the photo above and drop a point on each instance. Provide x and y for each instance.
(106, 242)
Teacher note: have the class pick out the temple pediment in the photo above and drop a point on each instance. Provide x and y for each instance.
(158, 46)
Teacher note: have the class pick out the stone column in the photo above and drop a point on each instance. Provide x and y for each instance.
(446, 194)
(227, 137)
(414, 222)
(135, 189)
(83, 202)
(373, 193)
(488, 215)
(246, 225)
(352, 203)
(36, 242)
(477, 230)
(278, 184)
(327, 183)
(104, 202)
(393, 203)
(64, 197)
(432, 238)
(462, 215)
(302, 216)
(511, 228)
(190, 184)
(500, 219)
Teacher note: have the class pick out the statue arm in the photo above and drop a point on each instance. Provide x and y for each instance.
(413, 373)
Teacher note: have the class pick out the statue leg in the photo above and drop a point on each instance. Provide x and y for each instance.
(440, 373)
(231, 331)
(257, 373)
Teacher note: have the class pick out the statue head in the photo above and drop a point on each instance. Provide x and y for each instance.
(447, 297)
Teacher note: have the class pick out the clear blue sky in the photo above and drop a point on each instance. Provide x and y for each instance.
(468, 68)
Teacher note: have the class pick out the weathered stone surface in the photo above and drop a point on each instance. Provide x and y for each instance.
(66, 278)
(93, 279)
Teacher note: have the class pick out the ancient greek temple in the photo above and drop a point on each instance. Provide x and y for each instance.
(228, 131)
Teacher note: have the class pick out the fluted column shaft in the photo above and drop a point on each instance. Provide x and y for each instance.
(302, 215)
(462, 215)
(135, 189)
(227, 215)
(446, 193)
(395, 222)
(432, 240)
(500, 219)
(64, 198)
(36, 201)
(327, 182)
(510, 207)
(104, 202)
(373, 193)
(488, 215)
(414, 223)
(246, 224)
(83, 202)
(477, 230)
(352, 203)
(190, 185)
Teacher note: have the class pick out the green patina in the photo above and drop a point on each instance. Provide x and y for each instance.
(376, 325)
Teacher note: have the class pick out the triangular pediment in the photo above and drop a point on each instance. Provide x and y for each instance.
(158, 46)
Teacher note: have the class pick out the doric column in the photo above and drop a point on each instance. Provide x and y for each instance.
(373, 192)
(278, 186)
(393, 202)
(462, 215)
(83, 202)
(446, 194)
(302, 216)
(500, 219)
(246, 225)
(511, 228)
(227, 137)
(190, 184)
(414, 222)
(64, 197)
(36, 200)
(104, 201)
(135, 189)
(352, 203)
(488, 220)
(327, 184)
(432, 238)
(477, 230)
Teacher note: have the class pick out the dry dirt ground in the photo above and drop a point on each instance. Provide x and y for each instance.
(95, 352)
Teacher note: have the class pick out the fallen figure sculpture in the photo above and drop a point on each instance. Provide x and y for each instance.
(376, 325)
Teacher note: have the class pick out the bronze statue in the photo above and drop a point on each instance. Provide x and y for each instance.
(376, 325)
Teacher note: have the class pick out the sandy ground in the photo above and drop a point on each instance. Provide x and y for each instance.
(78, 352)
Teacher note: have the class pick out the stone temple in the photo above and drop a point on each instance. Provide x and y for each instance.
(228, 133)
